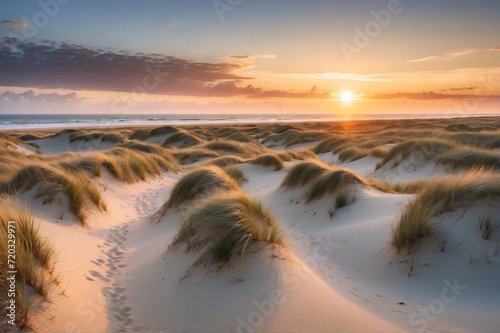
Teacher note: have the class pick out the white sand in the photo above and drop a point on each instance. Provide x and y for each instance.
(339, 275)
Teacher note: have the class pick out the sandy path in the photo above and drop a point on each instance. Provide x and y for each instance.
(111, 263)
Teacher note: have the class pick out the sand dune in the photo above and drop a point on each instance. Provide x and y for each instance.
(337, 269)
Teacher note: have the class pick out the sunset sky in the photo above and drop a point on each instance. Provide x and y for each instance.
(249, 56)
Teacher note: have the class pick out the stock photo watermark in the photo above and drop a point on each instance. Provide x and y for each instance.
(88, 309)
(428, 313)
(152, 79)
(364, 35)
(11, 273)
(40, 19)
(223, 6)
(265, 308)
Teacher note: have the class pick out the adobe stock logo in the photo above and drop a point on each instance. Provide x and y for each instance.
(372, 29)
(221, 7)
(48, 9)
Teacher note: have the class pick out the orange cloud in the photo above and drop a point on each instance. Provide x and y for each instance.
(447, 56)
(15, 26)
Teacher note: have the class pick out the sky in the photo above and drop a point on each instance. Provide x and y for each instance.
(250, 56)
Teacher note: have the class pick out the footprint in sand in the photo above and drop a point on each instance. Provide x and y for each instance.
(147, 203)
(114, 250)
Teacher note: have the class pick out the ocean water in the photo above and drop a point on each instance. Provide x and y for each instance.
(40, 121)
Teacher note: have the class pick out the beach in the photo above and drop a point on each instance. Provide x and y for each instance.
(383, 225)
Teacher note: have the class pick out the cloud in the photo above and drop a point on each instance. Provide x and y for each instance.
(431, 95)
(493, 49)
(447, 56)
(374, 77)
(173, 24)
(313, 93)
(31, 96)
(459, 89)
(52, 65)
(250, 59)
(15, 26)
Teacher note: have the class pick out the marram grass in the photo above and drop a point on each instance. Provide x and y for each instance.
(442, 194)
(269, 160)
(34, 259)
(227, 225)
(302, 173)
(199, 182)
(331, 182)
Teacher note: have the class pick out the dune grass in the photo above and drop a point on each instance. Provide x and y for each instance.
(192, 155)
(330, 182)
(182, 140)
(29, 137)
(34, 259)
(353, 154)
(242, 149)
(85, 137)
(280, 128)
(470, 158)
(7, 141)
(240, 137)
(200, 182)
(379, 152)
(305, 137)
(445, 193)
(164, 130)
(343, 199)
(132, 159)
(480, 140)
(224, 226)
(90, 163)
(459, 128)
(236, 173)
(331, 144)
(224, 132)
(488, 227)
(300, 154)
(146, 147)
(293, 137)
(225, 161)
(402, 187)
(302, 173)
(269, 160)
(140, 134)
(51, 181)
(69, 132)
(427, 149)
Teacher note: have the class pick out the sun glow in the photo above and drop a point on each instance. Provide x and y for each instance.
(346, 97)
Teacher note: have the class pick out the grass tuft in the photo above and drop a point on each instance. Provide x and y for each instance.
(331, 182)
(34, 259)
(487, 226)
(426, 148)
(225, 226)
(197, 183)
(343, 199)
(164, 130)
(236, 173)
(440, 195)
(470, 158)
(225, 161)
(50, 181)
(182, 140)
(269, 160)
(302, 173)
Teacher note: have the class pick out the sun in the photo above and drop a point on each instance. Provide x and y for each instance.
(346, 97)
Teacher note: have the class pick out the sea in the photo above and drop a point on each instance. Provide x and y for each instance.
(46, 121)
